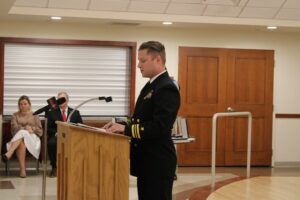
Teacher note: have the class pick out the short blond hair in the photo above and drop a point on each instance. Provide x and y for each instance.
(64, 94)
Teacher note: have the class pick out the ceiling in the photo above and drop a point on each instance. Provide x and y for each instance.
(282, 13)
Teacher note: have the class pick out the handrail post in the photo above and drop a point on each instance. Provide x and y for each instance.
(213, 146)
(249, 144)
(214, 134)
(44, 159)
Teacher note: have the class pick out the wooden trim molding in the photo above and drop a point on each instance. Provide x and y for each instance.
(1, 76)
(287, 115)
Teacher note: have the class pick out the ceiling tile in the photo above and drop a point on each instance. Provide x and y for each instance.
(69, 4)
(265, 3)
(222, 11)
(32, 3)
(289, 13)
(265, 13)
(185, 9)
(243, 2)
(292, 4)
(109, 5)
(254, 9)
(147, 7)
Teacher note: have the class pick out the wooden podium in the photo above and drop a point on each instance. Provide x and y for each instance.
(92, 165)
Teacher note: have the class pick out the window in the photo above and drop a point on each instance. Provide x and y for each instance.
(40, 71)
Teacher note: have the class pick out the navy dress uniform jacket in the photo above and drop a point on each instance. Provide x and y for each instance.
(152, 151)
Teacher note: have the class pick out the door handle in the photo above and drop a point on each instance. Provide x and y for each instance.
(229, 109)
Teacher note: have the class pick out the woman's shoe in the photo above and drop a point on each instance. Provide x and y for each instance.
(4, 158)
(22, 176)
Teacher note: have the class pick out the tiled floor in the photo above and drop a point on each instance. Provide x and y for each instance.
(193, 182)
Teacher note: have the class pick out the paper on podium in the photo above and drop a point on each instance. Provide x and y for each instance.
(89, 127)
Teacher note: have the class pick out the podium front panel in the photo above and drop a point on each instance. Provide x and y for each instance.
(92, 165)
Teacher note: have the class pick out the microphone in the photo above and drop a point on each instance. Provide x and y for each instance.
(107, 99)
(52, 102)
(61, 100)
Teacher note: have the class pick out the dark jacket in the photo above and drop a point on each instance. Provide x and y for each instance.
(55, 115)
(152, 152)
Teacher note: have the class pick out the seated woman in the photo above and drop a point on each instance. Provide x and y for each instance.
(26, 129)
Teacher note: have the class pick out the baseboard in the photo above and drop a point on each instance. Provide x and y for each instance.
(287, 164)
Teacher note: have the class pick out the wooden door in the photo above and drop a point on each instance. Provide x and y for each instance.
(202, 79)
(250, 88)
(212, 80)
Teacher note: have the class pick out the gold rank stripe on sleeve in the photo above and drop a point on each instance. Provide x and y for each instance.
(135, 131)
(132, 131)
(138, 131)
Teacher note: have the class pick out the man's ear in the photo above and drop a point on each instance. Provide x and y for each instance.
(158, 59)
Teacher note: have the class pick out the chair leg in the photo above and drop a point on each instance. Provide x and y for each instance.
(37, 166)
(7, 168)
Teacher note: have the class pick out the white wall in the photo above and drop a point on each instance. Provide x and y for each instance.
(287, 140)
(286, 133)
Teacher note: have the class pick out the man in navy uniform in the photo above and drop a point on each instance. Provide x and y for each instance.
(152, 153)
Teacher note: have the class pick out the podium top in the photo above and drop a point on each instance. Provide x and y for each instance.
(90, 128)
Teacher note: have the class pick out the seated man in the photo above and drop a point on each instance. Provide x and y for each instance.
(60, 113)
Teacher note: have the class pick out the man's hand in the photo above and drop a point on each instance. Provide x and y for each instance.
(112, 127)
(109, 124)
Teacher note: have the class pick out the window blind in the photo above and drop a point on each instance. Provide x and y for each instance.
(84, 72)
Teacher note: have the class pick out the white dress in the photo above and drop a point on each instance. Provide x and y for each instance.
(19, 122)
(31, 140)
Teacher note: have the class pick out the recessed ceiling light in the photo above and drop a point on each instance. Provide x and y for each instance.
(167, 23)
(272, 27)
(55, 18)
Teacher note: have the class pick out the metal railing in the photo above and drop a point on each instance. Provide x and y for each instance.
(214, 133)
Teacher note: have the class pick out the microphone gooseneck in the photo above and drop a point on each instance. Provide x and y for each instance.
(43, 109)
(50, 101)
(107, 99)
